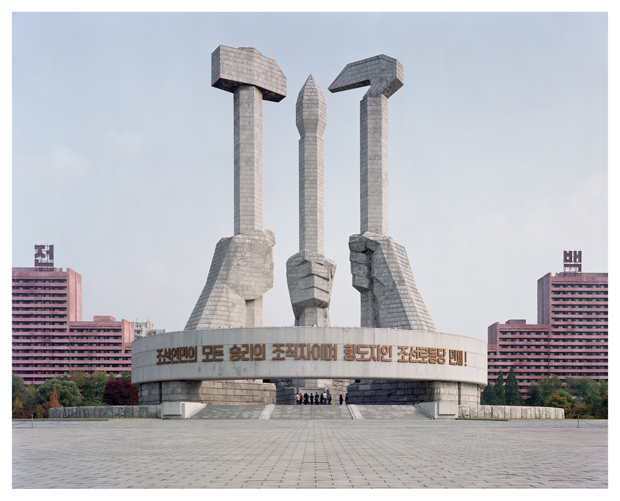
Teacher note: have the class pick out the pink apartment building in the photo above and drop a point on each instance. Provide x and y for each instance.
(570, 338)
(49, 337)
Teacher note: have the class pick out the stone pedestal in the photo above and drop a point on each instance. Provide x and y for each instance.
(229, 392)
(391, 392)
(150, 393)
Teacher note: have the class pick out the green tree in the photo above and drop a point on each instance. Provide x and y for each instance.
(26, 393)
(500, 392)
(125, 375)
(68, 392)
(78, 377)
(601, 412)
(557, 400)
(487, 397)
(535, 395)
(18, 385)
(579, 410)
(31, 396)
(94, 388)
(585, 390)
(550, 385)
(603, 388)
(513, 395)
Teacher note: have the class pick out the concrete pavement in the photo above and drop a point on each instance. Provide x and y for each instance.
(151, 453)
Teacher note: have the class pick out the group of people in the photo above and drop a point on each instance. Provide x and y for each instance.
(324, 399)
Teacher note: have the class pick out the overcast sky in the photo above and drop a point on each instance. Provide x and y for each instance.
(123, 154)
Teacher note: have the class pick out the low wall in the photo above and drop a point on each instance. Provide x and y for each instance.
(439, 410)
(509, 412)
(180, 410)
(106, 412)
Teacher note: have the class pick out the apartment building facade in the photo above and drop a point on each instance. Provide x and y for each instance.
(570, 337)
(49, 337)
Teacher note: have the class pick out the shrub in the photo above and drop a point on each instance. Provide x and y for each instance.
(40, 412)
(120, 392)
(557, 400)
(19, 411)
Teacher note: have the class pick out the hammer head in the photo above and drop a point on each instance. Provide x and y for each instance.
(232, 68)
(384, 74)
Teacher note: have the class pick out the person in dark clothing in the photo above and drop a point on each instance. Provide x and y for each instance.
(316, 398)
(322, 400)
(346, 399)
(305, 399)
(341, 399)
(329, 398)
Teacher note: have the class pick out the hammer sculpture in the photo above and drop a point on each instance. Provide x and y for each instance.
(380, 267)
(242, 267)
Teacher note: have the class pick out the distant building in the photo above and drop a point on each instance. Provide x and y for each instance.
(144, 329)
(49, 337)
(570, 338)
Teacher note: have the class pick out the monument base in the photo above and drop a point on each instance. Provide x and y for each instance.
(266, 365)
(384, 392)
(222, 392)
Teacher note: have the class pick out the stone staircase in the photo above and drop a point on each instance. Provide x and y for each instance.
(310, 412)
(370, 412)
(396, 412)
(230, 412)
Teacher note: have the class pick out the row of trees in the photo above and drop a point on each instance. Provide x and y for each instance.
(581, 397)
(502, 393)
(76, 389)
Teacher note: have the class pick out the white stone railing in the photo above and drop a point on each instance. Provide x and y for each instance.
(509, 412)
(106, 412)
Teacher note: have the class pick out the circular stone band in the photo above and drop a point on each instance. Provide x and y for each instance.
(308, 352)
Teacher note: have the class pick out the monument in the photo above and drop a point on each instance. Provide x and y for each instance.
(380, 268)
(309, 273)
(242, 267)
(225, 356)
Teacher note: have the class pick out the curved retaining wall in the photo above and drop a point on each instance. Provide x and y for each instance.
(106, 412)
(309, 353)
(241, 392)
(389, 392)
(509, 412)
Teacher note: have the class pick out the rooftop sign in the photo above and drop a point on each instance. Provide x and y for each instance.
(44, 257)
(572, 261)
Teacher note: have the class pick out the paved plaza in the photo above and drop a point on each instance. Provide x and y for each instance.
(220, 453)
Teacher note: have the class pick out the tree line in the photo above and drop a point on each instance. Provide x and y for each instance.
(75, 390)
(581, 397)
